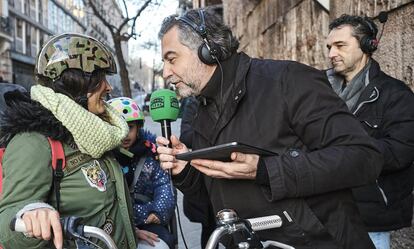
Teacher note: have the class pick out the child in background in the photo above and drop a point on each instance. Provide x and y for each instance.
(150, 187)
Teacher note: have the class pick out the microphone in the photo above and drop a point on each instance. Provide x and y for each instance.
(383, 16)
(164, 108)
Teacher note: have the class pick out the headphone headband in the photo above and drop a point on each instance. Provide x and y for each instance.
(200, 29)
(371, 28)
(369, 42)
(208, 52)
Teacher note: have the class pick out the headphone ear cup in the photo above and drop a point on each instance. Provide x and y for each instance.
(367, 45)
(205, 55)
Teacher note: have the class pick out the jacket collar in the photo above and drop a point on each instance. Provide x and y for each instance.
(372, 92)
(234, 88)
(222, 78)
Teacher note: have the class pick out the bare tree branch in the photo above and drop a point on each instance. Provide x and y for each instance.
(98, 14)
(118, 37)
(126, 9)
(143, 7)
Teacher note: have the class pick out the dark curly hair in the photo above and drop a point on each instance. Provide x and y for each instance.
(361, 26)
(217, 32)
(75, 84)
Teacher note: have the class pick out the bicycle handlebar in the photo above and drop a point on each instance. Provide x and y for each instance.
(230, 223)
(71, 229)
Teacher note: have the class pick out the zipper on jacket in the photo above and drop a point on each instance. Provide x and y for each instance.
(367, 101)
(370, 125)
(384, 197)
(287, 216)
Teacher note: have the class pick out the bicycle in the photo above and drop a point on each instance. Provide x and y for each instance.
(228, 223)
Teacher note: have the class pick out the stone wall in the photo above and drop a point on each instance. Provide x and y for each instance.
(395, 53)
(293, 30)
(297, 29)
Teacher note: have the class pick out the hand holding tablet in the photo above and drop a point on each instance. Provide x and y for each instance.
(223, 152)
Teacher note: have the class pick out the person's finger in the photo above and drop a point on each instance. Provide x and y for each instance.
(36, 230)
(238, 157)
(174, 140)
(211, 172)
(28, 224)
(57, 230)
(167, 165)
(166, 158)
(162, 141)
(164, 150)
(45, 232)
(149, 237)
(211, 164)
(152, 236)
(178, 146)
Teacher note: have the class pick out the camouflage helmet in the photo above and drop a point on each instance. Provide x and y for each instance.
(71, 50)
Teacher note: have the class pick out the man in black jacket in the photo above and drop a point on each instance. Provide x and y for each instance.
(281, 106)
(385, 107)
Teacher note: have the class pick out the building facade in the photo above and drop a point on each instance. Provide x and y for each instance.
(27, 24)
(110, 10)
(5, 42)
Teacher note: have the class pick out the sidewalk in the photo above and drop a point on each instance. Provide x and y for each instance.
(191, 231)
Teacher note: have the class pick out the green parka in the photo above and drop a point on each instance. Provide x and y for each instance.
(27, 178)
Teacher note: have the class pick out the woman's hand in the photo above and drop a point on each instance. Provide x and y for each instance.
(41, 223)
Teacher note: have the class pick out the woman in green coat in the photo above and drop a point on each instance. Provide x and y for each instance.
(67, 105)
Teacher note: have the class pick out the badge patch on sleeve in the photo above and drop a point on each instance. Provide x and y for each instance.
(95, 176)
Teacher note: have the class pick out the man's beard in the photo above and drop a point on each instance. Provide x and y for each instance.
(188, 90)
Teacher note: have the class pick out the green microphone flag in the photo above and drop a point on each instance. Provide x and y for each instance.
(164, 105)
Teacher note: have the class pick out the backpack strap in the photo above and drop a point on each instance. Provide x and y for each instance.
(58, 164)
(1, 171)
(137, 173)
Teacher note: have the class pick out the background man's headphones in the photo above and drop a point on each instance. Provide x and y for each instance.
(369, 43)
(208, 52)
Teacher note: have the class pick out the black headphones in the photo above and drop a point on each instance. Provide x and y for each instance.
(369, 43)
(208, 52)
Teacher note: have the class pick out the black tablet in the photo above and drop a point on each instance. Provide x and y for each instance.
(223, 152)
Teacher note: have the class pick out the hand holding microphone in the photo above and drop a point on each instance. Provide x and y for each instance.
(164, 108)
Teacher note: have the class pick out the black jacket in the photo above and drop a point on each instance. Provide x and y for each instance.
(288, 108)
(386, 110)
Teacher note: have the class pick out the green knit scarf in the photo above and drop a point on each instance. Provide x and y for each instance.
(92, 135)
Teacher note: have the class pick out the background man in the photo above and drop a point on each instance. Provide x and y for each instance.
(285, 107)
(385, 107)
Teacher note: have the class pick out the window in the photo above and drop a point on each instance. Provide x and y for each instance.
(52, 22)
(28, 39)
(26, 7)
(33, 9)
(33, 35)
(19, 29)
(19, 36)
(11, 3)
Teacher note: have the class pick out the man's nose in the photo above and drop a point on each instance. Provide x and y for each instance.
(166, 71)
(333, 52)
